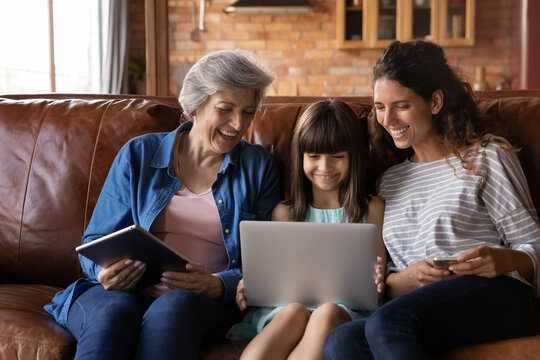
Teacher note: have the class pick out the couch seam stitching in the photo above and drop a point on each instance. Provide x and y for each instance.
(88, 185)
(19, 245)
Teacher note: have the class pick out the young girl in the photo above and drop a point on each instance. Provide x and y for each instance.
(327, 184)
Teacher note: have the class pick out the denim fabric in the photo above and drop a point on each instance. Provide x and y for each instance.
(128, 325)
(436, 318)
(141, 182)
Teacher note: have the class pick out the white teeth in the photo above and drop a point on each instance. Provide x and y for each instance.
(227, 133)
(400, 131)
(325, 177)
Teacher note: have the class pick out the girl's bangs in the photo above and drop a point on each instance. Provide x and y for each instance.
(324, 137)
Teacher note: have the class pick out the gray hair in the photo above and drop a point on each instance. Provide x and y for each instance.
(223, 70)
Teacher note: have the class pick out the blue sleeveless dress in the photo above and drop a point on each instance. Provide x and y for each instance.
(257, 317)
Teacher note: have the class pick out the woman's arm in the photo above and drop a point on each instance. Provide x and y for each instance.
(507, 199)
(413, 277)
(112, 211)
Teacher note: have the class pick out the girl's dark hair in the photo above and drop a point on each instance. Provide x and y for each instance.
(422, 67)
(329, 127)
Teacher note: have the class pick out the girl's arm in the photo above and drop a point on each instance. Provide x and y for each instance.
(241, 296)
(281, 212)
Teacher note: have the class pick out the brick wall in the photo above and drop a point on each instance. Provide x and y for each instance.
(301, 49)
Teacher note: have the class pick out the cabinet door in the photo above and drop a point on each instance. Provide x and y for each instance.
(456, 27)
(385, 22)
(351, 25)
(419, 20)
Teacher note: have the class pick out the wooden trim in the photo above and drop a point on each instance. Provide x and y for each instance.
(470, 22)
(435, 11)
(524, 46)
(340, 23)
(372, 20)
(404, 13)
(407, 23)
(157, 48)
(52, 65)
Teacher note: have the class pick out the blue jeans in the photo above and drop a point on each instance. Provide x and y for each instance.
(436, 318)
(127, 325)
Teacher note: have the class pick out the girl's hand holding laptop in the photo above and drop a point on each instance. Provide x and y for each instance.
(241, 296)
(379, 276)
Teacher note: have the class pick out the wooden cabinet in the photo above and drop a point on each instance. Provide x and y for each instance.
(377, 23)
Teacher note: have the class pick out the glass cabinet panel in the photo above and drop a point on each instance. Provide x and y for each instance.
(387, 20)
(455, 19)
(421, 20)
(353, 23)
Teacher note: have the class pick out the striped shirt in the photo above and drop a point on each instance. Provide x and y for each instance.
(437, 209)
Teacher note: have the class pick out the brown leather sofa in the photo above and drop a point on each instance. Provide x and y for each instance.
(55, 151)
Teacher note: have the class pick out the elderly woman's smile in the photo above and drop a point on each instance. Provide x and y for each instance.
(221, 122)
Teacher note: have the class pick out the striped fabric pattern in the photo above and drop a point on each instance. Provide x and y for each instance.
(440, 209)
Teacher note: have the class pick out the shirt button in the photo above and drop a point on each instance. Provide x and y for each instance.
(227, 231)
(220, 201)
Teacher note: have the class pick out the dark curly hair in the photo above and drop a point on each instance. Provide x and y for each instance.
(422, 67)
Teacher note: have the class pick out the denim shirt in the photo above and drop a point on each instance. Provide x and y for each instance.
(141, 182)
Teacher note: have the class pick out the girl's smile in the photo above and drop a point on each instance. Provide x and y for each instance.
(326, 171)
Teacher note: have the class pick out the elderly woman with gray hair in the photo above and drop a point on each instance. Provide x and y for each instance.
(191, 188)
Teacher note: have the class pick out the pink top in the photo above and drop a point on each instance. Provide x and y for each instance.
(190, 224)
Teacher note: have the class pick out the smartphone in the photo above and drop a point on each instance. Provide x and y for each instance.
(443, 262)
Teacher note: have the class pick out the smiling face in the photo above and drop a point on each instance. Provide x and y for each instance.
(406, 116)
(223, 119)
(326, 171)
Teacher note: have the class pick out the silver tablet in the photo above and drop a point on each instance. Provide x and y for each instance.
(135, 243)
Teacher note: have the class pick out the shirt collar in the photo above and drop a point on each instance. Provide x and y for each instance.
(164, 157)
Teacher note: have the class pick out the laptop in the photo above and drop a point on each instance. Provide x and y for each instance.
(309, 263)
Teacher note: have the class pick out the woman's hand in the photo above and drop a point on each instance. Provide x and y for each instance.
(197, 278)
(241, 296)
(491, 262)
(123, 275)
(424, 272)
(415, 276)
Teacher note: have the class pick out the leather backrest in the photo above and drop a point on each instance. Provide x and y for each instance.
(54, 157)
(518, 120)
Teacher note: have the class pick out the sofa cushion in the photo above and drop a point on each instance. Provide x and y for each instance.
(527, 348)
(26, 330)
